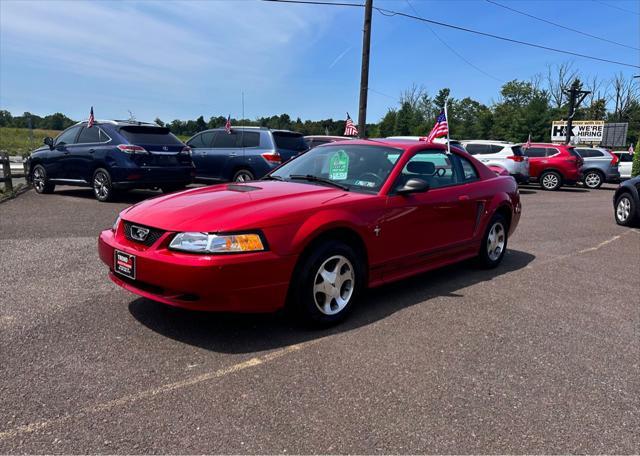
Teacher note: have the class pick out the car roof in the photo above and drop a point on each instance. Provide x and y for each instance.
(487, 141)
(389, 142)
(121, 123)
(327, 137)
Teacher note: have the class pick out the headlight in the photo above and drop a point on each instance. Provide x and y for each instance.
(217, 243)
(115, 224)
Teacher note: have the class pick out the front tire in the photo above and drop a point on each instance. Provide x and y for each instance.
(593, 180)
(102, 187)
(625, 210)
(327, 283)
(243, 175)
(494, 242)
(40, 181)
(550, 180)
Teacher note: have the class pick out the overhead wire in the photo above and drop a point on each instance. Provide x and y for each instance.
(460, 28)
(560, 25)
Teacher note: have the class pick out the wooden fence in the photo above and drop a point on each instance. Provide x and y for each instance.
(5, 166)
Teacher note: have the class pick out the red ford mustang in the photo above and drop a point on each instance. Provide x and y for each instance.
(316, 231)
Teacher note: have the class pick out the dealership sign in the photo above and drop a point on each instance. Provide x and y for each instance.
(582, 131)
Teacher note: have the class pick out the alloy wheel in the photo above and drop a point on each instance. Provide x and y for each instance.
(38, 179)
(496, 241)
(101, 185)
(624, 209)
(550, 181)
(592, 180)
(244, 176)
(333, 285)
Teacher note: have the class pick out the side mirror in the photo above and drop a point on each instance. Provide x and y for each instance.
(49, 141)
(413, 186)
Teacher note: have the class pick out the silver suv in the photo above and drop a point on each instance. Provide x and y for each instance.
(501, 154)
(599, 166)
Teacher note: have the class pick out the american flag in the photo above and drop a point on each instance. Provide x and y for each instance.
(528, 143)
(350, 128)
(227, 126)
(91, 120)
(441, 128)
(631, 151)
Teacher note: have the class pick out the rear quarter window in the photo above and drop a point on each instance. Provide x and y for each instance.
(289, 141)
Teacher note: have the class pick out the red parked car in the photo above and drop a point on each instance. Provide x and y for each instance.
(316, 231)
(553, 165)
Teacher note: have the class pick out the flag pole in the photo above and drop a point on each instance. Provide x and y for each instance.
(446, 116)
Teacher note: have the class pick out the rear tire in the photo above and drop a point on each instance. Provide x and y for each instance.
(326, 283)
(494, 242)
(101, 184)
(550, 180)
(593, 179)
(40, 181)
(625, 210)
(243, 175)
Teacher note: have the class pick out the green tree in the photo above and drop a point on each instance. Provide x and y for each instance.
(5, 118)
(159, 121)
(635, 166)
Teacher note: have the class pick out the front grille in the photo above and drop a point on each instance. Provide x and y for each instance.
(153, 235)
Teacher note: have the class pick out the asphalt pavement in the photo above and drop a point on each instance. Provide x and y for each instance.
(538, 356)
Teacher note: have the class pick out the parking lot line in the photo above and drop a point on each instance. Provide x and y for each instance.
(219, 373)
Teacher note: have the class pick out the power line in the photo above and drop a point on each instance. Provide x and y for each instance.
(464, 29)
(560, 25)
(617, 7)
(454, 51)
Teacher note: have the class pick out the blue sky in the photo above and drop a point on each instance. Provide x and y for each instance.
(182, 59)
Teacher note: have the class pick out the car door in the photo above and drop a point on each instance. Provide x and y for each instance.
(57, 163)
(226, 147)
(432, 225)
(625, 164)
(201, 145)
(82, 154)
(537, 159)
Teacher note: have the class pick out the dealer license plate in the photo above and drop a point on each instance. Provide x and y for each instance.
(124, 264)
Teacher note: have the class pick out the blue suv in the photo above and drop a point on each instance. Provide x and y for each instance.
(244, 154)
(112, 155)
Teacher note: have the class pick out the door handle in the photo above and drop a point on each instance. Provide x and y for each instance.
(463, 198)
(91, 151)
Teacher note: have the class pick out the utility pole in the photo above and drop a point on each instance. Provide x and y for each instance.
(364, 75)
(576, 96)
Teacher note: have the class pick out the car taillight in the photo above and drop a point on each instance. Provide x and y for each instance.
(614, 159)
(129, 149)
(272, 157)
(516, 158)
(186, 150)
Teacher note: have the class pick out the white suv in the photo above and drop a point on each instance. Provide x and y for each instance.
(625, 164)
(501, 154)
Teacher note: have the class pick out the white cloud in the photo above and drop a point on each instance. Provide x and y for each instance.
(179, 44)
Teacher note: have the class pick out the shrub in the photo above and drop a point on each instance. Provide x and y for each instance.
(635, 167)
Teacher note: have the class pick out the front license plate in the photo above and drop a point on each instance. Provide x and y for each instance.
(124, 264)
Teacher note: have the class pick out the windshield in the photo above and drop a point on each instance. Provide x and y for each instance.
(356, 167)
(149, 135)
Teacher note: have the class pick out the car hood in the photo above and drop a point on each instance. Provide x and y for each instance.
(227, 207)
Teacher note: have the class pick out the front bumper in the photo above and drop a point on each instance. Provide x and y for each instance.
(250, 282)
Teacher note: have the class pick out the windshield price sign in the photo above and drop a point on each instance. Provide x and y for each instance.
(339, 166)
(583, 131)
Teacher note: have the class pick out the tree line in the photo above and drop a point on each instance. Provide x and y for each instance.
(523, 107)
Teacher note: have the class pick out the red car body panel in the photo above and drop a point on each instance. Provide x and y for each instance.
(418, 232)
(565, 163)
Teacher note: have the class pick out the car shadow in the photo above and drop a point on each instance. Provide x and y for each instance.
(244, 333)
(127, 197)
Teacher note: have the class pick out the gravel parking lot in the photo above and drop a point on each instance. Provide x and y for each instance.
(538, 356)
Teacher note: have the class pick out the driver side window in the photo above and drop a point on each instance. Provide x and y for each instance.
(67, 136)
(434, 167)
